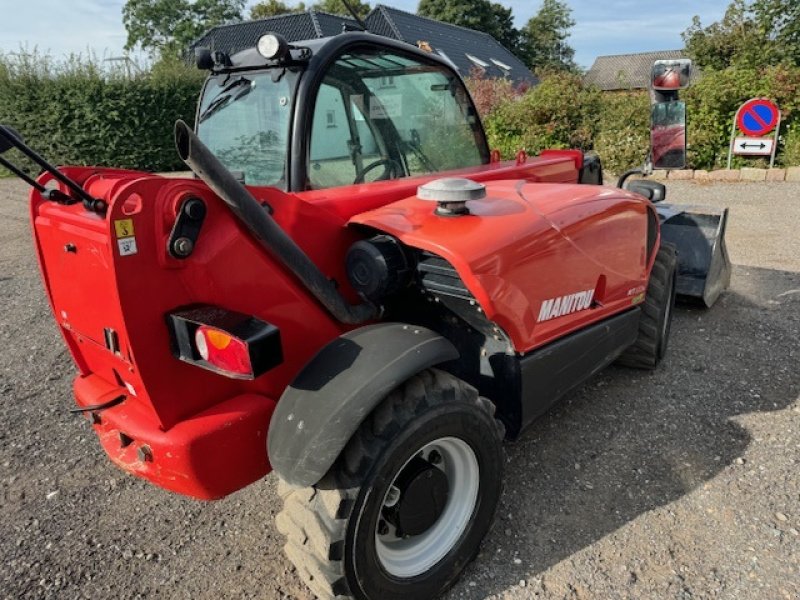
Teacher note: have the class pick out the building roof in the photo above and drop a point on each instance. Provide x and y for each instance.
(465, 49)
(627, 71)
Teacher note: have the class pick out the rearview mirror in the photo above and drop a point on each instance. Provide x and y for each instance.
(669, 75)
(6, 133)
(668, 135)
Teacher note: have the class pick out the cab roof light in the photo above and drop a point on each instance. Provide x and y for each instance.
(272, 46)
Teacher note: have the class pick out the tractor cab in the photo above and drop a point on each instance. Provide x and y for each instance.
(354, 108)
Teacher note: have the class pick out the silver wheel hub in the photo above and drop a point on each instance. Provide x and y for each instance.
(452, 477)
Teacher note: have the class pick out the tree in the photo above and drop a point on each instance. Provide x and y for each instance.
(733, 39)
(337, 7)
(544, 38)
(779, 20)
(168, 27)
(480, 15)
(272, 8)
(503, 29)
(750, 34)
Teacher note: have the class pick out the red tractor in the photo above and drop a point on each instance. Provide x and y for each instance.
(353, 292)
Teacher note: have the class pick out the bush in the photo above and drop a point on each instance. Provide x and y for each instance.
(791, 145)
(489, 92)
(623, 136)
(557, 113)
(77, 112)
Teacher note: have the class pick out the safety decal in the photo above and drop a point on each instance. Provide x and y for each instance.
(565, 305)
(123, 228)
(638, 299)
(127, 246)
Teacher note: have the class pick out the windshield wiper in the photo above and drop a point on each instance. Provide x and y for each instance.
(226, 96)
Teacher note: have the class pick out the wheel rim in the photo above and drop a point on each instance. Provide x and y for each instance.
(410, 556)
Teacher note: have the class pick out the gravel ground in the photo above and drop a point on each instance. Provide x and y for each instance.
(679, 484)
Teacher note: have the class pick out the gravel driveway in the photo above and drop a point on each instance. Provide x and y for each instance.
(682, 483)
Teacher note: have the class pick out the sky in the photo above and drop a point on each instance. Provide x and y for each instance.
(602, 27)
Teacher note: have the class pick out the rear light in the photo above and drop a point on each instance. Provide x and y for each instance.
(223, 350)
(226, 342)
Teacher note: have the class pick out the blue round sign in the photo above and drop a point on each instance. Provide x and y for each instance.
(758, 117)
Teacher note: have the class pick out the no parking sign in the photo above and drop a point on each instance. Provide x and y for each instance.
(755, 119)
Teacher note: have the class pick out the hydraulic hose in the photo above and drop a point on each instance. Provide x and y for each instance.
(626, 175)
(264, 228)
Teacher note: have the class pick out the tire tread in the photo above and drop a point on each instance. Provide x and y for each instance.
(644, 353)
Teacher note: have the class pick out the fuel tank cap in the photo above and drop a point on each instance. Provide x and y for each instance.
(451, 193)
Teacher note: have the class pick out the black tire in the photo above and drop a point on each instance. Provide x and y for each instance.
(656, 318)
(332, 528)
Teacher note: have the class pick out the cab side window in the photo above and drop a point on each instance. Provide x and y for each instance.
(337, 131)
(384, 115)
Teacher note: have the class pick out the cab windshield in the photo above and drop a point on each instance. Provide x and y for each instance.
(244, 121)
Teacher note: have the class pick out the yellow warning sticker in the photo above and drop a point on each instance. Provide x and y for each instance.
(637, 299)
(123, 227)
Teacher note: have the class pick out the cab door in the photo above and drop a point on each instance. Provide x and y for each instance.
(384, 114)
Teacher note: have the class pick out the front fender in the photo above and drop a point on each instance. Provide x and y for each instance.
(325, 404)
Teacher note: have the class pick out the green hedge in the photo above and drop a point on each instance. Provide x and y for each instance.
(77, 112)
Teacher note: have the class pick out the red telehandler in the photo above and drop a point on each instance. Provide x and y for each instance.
(355, 293)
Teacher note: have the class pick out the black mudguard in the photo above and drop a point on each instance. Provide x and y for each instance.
(698, 233)
(325, 404)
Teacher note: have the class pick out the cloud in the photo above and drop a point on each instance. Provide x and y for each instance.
(63, 27)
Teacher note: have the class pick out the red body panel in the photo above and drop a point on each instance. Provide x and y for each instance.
(205, 434)
(94, 287)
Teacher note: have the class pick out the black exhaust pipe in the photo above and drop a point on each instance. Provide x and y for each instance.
(264, 229)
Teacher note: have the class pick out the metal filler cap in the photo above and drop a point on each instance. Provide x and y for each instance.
(451, 193)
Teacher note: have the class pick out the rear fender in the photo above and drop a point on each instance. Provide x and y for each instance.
(325, 404)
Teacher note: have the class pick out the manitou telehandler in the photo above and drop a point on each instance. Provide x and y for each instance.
(356, 293)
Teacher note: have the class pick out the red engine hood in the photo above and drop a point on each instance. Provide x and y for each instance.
(527, 243)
